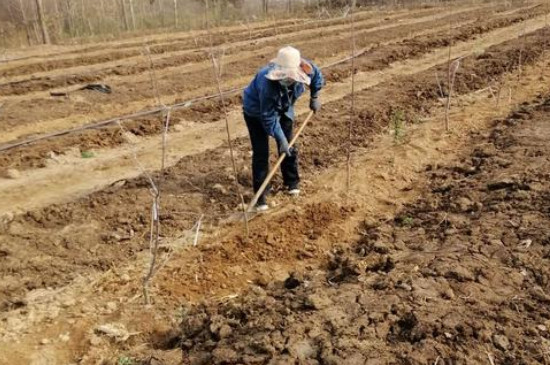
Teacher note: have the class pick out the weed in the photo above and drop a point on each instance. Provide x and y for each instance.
(124, 360)
(398, 125)
(87, 154)
(405, 221)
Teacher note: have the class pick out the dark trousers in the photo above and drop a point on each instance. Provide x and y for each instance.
(260, 154)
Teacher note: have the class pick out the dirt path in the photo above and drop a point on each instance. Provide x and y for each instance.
(111, 166)
(386, 178)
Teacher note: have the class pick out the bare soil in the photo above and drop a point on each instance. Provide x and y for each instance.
(93, 233)
(457, 277)
(388, 46)
(437, 254)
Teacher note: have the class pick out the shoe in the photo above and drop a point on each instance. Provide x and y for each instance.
(262, 208)
(294, 192)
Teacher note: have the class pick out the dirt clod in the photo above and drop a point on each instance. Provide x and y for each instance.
(501, 342)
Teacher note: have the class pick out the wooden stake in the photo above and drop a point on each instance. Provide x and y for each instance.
(352, 107)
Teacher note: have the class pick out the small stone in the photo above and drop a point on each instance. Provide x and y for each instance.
(542, 328)
(464, 204)
(53, 156)
(64, 337)
(459, 273)
(404, 286)
(116, 237)
(448, 294)
(125, 278)
(68, 303)
(225, 331)
(13, 174)
(223, 355)
(318, 302)
(95, 340)
(44, 341)
(219, 188)
(111, 306)
(302, 350)
(501, 342)
(114, 330)
(7, 217)
(270, 239)
(525, 244)
(179, 128)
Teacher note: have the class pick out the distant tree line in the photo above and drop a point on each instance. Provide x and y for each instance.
(31, 22)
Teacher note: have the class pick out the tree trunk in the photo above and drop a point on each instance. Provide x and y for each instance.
(176, 14)
(161, 13)
(124, 15)
(42, 21)
(68, 18)
(132, 14)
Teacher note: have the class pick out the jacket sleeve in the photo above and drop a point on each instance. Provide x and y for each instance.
(317, 80)
(269, 95)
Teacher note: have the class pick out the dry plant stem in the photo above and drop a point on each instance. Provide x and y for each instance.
(543, 67)
(197, 233)
(522, 37)
(352, 107)
(152, 75)
(439, 85)
(164, 140)
(154, 234)
(448, 106)
(216, 68)
(154, 240)
(230, 144)
(453, 68)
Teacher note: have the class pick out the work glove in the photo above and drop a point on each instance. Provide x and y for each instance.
(284, 148)
(315, 104)
(282, 142)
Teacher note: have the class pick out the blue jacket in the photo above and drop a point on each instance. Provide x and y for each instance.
(267, 100)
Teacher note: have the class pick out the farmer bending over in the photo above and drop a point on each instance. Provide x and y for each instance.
(268, 108)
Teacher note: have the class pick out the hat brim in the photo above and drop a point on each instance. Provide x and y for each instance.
(278, 73)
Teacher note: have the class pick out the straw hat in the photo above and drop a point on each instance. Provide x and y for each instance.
(288, 64)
